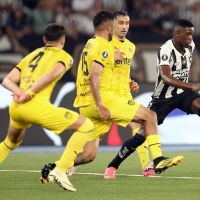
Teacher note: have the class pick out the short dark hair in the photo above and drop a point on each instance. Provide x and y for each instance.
(119, 13)
(101, 17)
(53, 32)
(184, 23)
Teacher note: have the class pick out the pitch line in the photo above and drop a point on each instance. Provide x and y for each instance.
(100, 174)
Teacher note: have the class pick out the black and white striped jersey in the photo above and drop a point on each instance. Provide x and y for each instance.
(180, 66)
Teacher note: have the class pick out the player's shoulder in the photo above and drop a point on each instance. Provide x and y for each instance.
(128, 42)
(97, 43)
(65, 54)
(168, 45)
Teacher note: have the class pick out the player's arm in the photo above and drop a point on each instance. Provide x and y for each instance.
(94, 79)
(166, 75)
(42, 82)
(12, 80)
(47, 79)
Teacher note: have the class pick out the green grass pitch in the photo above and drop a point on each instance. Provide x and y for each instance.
(178, 183)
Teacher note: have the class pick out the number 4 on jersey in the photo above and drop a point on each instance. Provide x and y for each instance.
(34, 62)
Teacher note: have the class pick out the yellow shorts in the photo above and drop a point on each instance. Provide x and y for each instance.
(42, 113)
(122, 112)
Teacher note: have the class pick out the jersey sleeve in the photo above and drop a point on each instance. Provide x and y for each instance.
(99, 55)
(21, 65)
(67, 60)
(164, 55)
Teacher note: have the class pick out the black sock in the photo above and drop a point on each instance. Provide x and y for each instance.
(127, 148)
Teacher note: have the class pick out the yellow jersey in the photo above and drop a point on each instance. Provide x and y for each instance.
(99, 50)
(40, 62)
(121, 71)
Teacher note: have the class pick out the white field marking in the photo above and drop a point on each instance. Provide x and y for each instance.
(99, 174)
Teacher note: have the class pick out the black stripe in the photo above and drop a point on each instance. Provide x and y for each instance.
(183, 62)
(159, 55)
(154, 144)
(164, 91)
(18, 68)
(174, 91)
(7, 146)
(156, 87)
(99, 63)
(173, 55)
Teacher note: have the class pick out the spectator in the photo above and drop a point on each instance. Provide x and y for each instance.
(16, 28)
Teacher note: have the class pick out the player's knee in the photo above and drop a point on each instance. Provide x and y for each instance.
(87, 126)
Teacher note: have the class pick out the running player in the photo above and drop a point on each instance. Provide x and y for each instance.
(32, 82)
(121, 82)
(172, 87)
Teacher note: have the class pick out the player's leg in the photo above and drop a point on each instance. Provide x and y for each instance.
(88, 154)
(139, 114)
(143, 151)
(12, 141)
(127, 149)
(64, 119)
(150, 127)
(190, 102)
(83, 134)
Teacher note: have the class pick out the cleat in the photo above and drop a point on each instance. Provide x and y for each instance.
(71, 171)
(61, 179)
(110, 173)
(149, 169)
(45, 172)
(163, 163)
(175, 161)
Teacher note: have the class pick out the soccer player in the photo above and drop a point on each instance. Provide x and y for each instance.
(172, 88)
(121, 82)
(97, 101)
(32, 82)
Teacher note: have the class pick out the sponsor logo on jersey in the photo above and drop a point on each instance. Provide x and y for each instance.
(124, 61)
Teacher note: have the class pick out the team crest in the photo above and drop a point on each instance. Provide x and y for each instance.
(68, 115)
(164, 57)
(131, 102)
(105, 54)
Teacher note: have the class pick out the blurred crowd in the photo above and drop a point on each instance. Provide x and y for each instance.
(151, 21)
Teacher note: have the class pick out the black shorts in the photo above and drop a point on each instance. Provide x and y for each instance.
(183, 101)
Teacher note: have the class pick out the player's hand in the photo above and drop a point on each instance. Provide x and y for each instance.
(17, 94)
(196, 87)
(118, 55)
(27, 95)
(134, 86)
(104, 112)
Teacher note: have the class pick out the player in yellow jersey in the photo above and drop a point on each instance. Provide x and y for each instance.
(97, 101)
(32, 82)
(121, 83)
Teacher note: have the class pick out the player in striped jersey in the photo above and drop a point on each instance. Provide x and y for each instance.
(172, 87)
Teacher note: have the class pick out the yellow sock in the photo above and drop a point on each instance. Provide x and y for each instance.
(143, 154)
(142, 151)
(154, 145)
(75, 145)
(6, 147)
